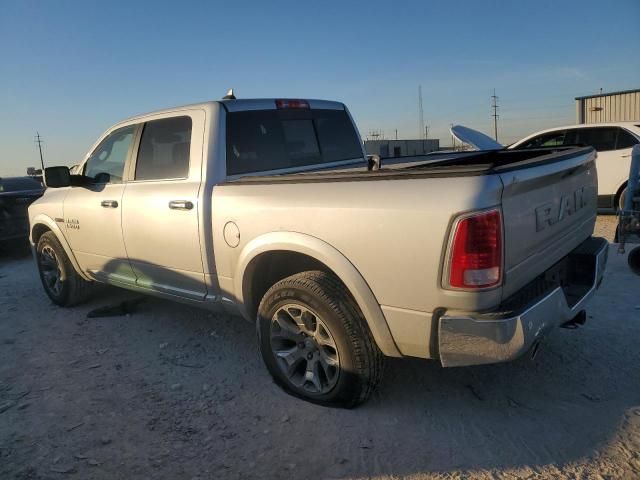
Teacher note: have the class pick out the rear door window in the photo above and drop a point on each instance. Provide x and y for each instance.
(602, 139)
(264, 140)
(625, 139)
(164, 150)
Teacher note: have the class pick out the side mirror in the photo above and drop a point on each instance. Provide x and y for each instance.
(57, 177)
(102, 177)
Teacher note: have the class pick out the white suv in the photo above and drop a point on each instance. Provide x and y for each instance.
(612, 141)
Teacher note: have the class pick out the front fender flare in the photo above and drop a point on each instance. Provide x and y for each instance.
(336, 262)
(42, 219)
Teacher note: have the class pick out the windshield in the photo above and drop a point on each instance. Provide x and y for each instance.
(264, 140)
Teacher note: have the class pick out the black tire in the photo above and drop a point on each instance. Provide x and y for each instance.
(360, 362)
(71, 288)
(620, 205)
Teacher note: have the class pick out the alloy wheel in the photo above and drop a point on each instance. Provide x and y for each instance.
(51, 270)
(304, 348)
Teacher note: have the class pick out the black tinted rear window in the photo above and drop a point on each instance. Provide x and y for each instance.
(602, 139)
(263, 140)
(625, 140)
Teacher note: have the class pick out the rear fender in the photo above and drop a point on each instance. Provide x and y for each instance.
(336, 262)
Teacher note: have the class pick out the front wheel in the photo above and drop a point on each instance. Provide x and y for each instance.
(61, 282)
(315, 341)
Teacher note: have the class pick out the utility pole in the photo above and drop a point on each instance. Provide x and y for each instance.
(426, 132)
(39, 141)
(420, 112)
(494, 106)
(396, 133)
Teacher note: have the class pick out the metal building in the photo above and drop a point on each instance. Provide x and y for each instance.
(623, 106)
(401, 148)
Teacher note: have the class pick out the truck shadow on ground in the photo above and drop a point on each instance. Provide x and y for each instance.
(186, 369)
(14, 250)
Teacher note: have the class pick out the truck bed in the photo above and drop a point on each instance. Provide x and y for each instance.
(415, 212)
(446, 164)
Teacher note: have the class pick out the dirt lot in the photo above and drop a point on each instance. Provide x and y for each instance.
(174, 392)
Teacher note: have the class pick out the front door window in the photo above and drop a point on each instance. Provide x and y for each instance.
(106, 163)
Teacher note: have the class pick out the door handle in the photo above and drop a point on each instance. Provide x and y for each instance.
(109, 204)
(180, 205)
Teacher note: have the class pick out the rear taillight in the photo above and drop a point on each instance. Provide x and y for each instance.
(476, 251)
(281, 104)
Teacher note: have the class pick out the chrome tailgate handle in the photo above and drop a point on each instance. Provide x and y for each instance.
(180, 205)
(109, 204)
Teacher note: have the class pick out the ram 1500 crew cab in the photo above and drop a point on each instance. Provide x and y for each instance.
(270, 208)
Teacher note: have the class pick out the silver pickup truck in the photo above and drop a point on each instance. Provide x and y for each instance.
(270, 208)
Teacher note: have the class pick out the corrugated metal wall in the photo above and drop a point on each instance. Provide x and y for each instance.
(617, 107)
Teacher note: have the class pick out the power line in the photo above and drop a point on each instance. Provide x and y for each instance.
(494, 105)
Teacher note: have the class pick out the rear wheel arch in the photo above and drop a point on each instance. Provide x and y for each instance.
(294, 253)
(268, 268)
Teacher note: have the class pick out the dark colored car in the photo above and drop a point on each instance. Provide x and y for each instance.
(16, 194)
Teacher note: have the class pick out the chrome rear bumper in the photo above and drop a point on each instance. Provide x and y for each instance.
(492, 337)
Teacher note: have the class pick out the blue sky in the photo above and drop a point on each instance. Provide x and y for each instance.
(71, 69)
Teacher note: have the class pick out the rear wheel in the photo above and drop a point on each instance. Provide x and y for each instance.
(315, 341)
(61, 282)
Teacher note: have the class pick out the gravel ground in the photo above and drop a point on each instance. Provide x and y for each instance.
(175, 392)
(606, 227)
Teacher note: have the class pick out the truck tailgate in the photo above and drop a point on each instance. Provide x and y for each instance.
(549, 208)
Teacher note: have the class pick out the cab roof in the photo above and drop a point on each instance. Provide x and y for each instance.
(244, 104)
